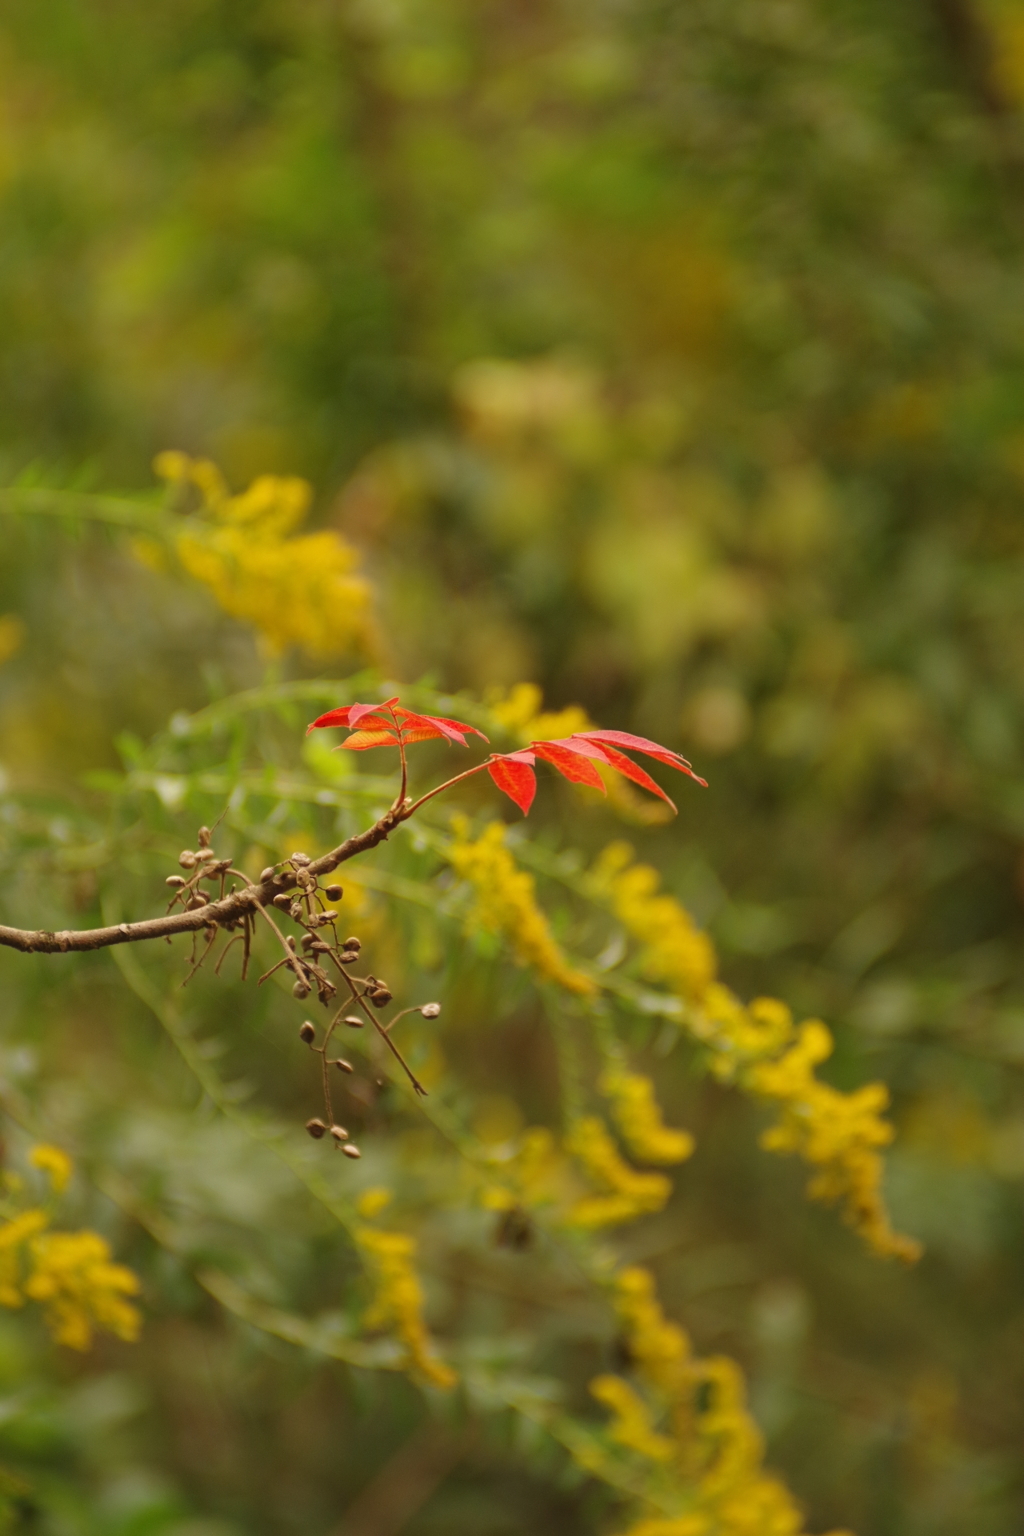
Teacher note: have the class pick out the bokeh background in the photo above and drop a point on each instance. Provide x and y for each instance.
(670, 356)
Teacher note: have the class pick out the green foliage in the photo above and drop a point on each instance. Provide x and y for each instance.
(669, 356)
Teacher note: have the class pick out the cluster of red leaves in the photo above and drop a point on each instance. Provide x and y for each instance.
(576, 757)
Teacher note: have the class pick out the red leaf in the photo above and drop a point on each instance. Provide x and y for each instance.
(412, 727)
(362, 740)
(516, 778)
(571, 763)
(641, 744)
(359, 712)
(630, 770)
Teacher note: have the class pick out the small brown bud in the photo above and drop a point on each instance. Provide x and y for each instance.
(353, 1021)
(282, 901)
(187, 859)
(339, 1133)
(300, 989)
(307, 1032)
(343, 1065)
(308, 941)
(334, 893)
(317, 946)
(351, 943)
(328, 917)
(430, 1010)
(300, 858)
(380, 997)
(316, 1129)
(175, 880)
(351, 1150)
(204, 854)
(196, 900)
(290, 941)
(267, 874)
(348, 957)
(204, 837)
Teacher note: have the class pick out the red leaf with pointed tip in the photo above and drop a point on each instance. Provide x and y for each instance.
(361, 741)
(571, 764)
(360, 711)
(514, 776)
(641, 744)
(630, 770)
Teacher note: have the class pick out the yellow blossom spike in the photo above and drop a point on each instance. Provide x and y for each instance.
(636, 1113)
(631, 1425)
(759, 1048)
(295, 589)
(81, 1289)
(55, 1163)
(628, 1194)
(397, 1304)
(506, 905)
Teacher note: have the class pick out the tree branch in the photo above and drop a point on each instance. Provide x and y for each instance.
(221, 914)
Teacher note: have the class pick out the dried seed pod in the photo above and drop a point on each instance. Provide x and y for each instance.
(328, 917)
(300, 858)
(430, 1010)
(343, 1065)
(308, 941)
(351, 1150)
(317, 946)
(282, 901)
(334, 893)
(307, 1032)
(204, 837)
(300, 990)
(266, 874)
(187, 859)
(290, 941)
(353, 1021)
(175, 880)
(316, 1129)
(339, 1133)
(204, 854)
(295, 910)
(380, 997)
(348, 957)
(196, 900)
(351, 943)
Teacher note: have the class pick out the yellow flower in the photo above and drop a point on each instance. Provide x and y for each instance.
(629, 1194)
(631, 1424)
(55, 1163)
(295, 589)
(398, 1301)
(758, 1047)
(721, 1487)
(12, 1235)
(636, 1113)
(506, 905)
(80, 1289)
(674, 949)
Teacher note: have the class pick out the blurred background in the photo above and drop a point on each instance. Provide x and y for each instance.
(667, 355)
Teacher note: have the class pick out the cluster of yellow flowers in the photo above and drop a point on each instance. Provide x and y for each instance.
(636, 1113)
(70, 1274)
(710, 1450)
(625, 1193)
(758, 1047)
(397, 1304)
(295, 589)
(519, 711)
(506, 904)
